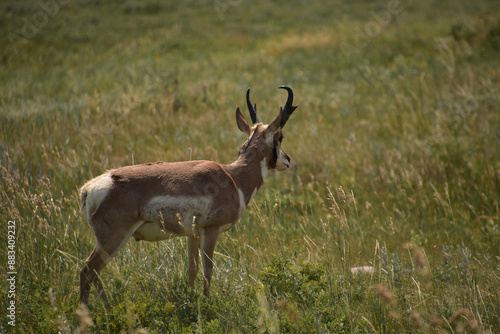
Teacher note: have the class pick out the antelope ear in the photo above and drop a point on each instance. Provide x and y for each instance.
(242, 123)
(275, 124)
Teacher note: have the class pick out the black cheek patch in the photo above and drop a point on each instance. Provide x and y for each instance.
(273, 162)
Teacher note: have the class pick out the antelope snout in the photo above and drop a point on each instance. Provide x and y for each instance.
(283, 161)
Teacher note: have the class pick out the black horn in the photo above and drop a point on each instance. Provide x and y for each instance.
(289, 108)
(252, 109)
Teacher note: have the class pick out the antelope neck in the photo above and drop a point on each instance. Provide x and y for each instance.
(248, 175)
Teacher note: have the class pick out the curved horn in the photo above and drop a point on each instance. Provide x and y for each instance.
(252, 110)
(289, 108)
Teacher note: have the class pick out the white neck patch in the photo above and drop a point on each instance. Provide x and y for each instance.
(263, 168)
(242, 201)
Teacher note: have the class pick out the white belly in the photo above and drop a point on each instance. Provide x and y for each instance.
(152, 231)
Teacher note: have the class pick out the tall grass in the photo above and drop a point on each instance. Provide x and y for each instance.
(394, 150)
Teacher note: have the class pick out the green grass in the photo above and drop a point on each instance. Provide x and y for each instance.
(395, 151)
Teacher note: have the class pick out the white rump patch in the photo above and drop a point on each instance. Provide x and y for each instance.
(96, 189)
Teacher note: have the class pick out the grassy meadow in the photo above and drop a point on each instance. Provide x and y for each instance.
(395, 149)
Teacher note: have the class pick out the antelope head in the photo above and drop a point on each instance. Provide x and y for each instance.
(264, 141)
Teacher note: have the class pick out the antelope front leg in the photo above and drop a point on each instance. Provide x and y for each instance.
(208, 240)
(193, 258)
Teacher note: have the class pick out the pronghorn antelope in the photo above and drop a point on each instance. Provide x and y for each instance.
(197, 199)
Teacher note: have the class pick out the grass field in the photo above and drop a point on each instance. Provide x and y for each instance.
(395, 149)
